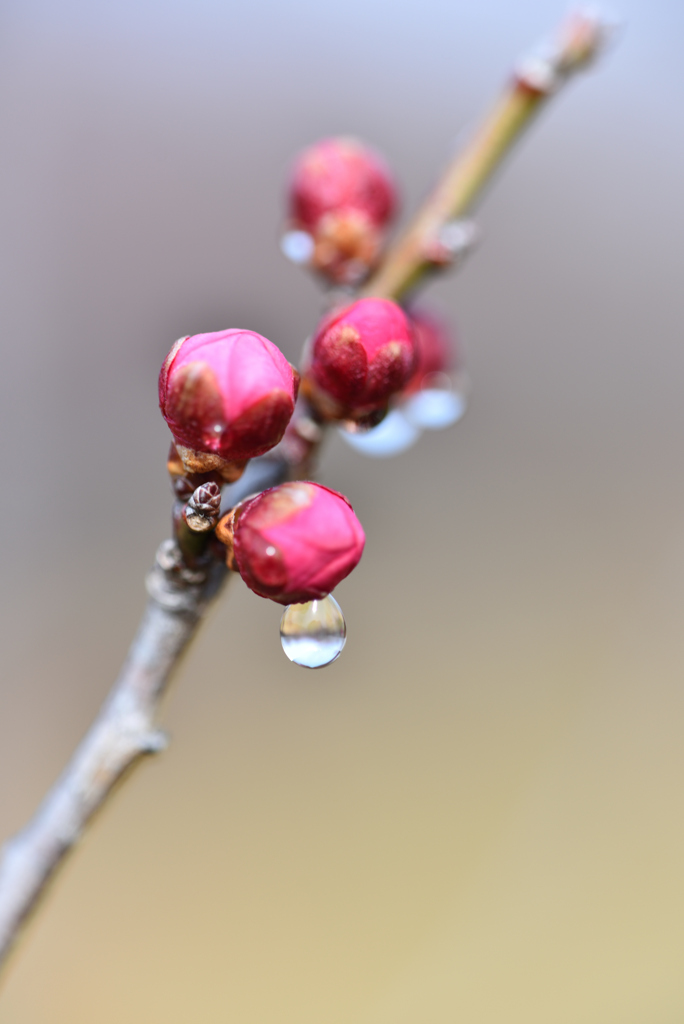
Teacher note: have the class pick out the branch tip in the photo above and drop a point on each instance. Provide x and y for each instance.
(581, 40)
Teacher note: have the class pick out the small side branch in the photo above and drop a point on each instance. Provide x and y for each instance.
(425, 245)
(123, 733)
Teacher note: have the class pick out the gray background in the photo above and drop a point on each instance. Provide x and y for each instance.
(477, 813)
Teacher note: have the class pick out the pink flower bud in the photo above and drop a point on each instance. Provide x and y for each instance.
(343, 195)
(359, 357)
(436, 349)
(226, 397)
(295, 542)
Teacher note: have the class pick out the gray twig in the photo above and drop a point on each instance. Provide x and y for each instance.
(122, 734)
(124, 731)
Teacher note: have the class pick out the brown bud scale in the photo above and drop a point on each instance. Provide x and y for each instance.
(224, 533)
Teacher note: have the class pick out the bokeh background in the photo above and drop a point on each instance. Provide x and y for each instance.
(477, 814)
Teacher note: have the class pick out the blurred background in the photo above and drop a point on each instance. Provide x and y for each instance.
(477, 814)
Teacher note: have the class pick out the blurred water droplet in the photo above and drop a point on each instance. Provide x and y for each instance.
(298, 246)
(437, 407)
(459, 236)
(391, 437)
(313, 634)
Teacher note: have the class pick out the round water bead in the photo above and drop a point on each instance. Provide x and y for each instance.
(297, 246)
(313, 634)
(439, 405)
(391, 437)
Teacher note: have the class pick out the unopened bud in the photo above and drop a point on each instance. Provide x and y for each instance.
(342, 196)
(294, 542)
(436, 348)
(226, 397)
(359, 357)
(202, 510)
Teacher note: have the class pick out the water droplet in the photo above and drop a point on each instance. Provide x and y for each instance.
(298, 246)
(434, 408)
(459, 236)
(313, 634)
(391, 437)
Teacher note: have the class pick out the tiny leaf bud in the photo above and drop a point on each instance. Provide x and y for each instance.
(295, 542)
(342, 195)
(202, 511)
(226, 397)
(359, 357)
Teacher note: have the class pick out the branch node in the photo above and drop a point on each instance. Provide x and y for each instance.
(454, 241)
(154, 742)
(172, 584)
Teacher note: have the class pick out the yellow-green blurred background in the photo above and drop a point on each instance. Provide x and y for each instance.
(477, 814)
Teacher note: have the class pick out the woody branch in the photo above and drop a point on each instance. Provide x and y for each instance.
(190, 568)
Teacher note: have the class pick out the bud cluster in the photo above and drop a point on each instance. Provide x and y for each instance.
(230, 396)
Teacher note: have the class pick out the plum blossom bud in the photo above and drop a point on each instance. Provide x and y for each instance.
(437, 394)
(342, 194)
(226, 397)
(436, 349)
(295, 542)
(359, 357)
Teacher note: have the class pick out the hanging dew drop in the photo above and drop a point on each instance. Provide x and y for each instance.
(391, 437)
(297, 246)
(435, 409)
(313, 634)
(439, 405)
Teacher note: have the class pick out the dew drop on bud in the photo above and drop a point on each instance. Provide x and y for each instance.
(391, 437)
(313, 634)
(439, 405)
(297, 246)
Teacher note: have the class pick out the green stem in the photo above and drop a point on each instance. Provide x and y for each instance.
(410, 259)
